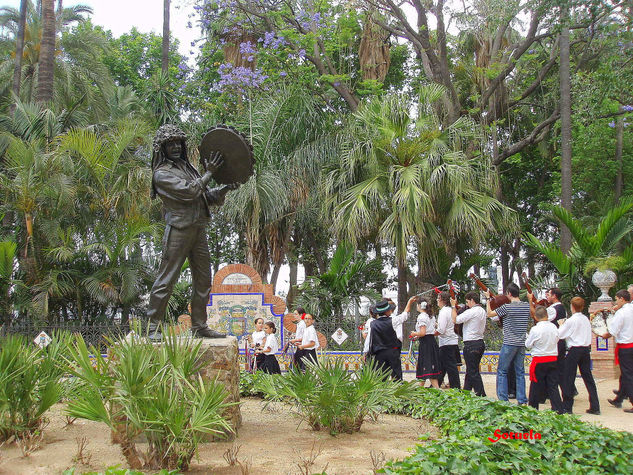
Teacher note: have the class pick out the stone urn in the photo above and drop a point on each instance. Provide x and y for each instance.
(604, 280)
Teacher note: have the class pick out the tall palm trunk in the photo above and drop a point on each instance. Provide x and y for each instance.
(19, 49)
(165, 50)
(565, 119)
(47, 54)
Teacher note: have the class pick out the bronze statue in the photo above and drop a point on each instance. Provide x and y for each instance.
(186, 200)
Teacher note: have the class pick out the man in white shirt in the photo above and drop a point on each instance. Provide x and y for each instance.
(448, 341)
(576, 332)
(621, 328)
(557, 314)
(543, 341)
(474, 321)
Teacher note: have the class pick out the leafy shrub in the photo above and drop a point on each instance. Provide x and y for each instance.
(329, 396)
(153, 390)
(30, 383)
(567, 444)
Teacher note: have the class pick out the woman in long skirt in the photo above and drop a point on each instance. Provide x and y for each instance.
(270, 347)
(428, 366)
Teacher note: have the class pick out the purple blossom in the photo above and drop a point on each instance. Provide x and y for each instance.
(239, 78)
(302, 53)
(612, 124)
(247, 48)
(336, 84)
(283, 74)
(627, 108)
(193, 43)
(271, 40)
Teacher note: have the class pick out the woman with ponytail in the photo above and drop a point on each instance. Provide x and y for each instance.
(428, 366)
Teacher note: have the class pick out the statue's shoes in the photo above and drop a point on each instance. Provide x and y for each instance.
(207, 333)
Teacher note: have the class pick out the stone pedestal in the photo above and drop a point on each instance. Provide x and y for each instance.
(602, 351)
(220, 361)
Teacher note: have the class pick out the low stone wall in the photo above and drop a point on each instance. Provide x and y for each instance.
(220, 359)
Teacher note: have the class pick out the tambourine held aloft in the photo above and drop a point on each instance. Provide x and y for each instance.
(236, 150)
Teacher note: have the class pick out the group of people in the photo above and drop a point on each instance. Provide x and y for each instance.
(560, 346)
(265, 345)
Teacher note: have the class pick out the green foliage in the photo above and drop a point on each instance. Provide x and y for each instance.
(609, 243)
(328, 396)
(346, 280)
(30, 382)
(149, 389)
(467, 422)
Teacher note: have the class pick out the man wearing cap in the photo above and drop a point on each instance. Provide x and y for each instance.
(384, 345)
(186, 200)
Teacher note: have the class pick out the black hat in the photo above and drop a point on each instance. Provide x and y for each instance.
(384, 306)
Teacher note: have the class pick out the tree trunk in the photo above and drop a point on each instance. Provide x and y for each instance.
(505, 269)
(165, 49)
(274, 276)
(47, 54)
(402, 285)
(60, 6)
(565, 119)
(619, 138)
(19, 49)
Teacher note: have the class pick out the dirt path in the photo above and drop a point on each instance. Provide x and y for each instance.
(271, 441)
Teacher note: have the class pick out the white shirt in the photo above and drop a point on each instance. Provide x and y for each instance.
(424, 320)
(271, 341)
(551, 311)
(576, 331)
(309, 335)
(258, 337)
(474, 320)
(366, 331)
(621, 326)
(397, 321)
(301, 326)
(446, 327)
(543, 339)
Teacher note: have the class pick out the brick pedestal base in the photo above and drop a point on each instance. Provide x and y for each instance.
(602, 352)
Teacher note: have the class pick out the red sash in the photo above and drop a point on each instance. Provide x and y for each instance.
(536, 360)
(617, 348)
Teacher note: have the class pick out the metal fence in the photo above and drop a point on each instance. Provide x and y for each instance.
(93, 334)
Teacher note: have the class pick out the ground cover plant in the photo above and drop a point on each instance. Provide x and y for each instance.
(30, 383)
(328, 396)
(473, 439)
(154, 390)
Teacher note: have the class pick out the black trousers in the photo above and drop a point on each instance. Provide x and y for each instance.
(306, 355)
(473, 352)
(578, 357)
(296, 359)
(547, 383)
(560, 363)
(626, 375)
(389, 360)
(448, 365)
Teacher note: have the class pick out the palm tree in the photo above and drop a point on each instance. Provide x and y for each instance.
(47, 53)
(286, 130)
(409, 179)
(609, 243)
(19, 48)
(165, 49)
(565, 123)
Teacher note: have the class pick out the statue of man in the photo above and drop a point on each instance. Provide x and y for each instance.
(186, 200)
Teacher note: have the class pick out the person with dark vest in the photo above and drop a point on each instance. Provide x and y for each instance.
(621, 329)
(576, 332)
(555, 313)
(384, 344)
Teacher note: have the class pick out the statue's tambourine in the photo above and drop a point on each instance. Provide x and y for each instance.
(601, 322)
(237, 152)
